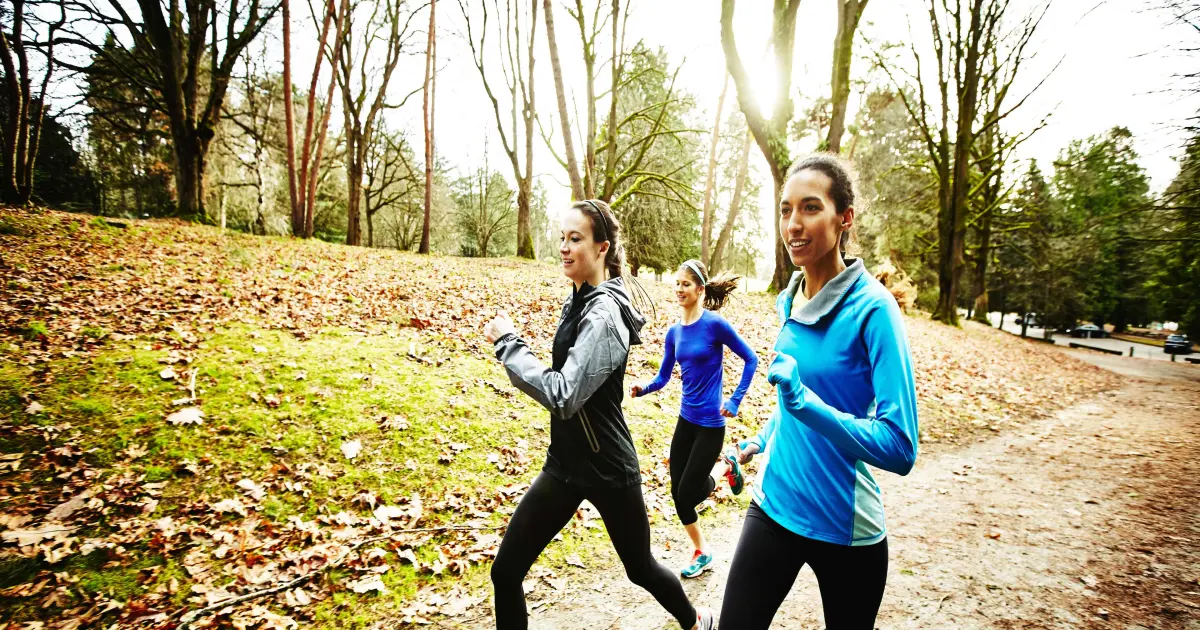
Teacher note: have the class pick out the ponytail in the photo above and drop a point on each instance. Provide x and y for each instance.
(716, 290)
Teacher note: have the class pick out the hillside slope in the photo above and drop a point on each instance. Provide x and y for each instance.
(190, 415)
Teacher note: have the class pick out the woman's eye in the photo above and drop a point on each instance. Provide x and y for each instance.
(812, 208)
(785, 211)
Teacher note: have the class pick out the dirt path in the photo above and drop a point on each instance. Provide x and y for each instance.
(1086, 519)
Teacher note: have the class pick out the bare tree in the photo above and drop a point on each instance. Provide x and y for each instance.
(706, 220)
(769, 134)
(518, 78)
(364, 88)
(427, 109)
(389, 179)
(849, 14)
(571, 163)
(735, 205)
(303, 181)
(171, 45)
(253, 121)
(23, 127)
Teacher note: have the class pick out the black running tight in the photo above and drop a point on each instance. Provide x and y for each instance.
(546, 509)
(694, 450)
(769, 557)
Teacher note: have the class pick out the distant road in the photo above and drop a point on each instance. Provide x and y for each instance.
(1140, 350)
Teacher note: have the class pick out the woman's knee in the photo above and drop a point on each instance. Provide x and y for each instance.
(506, 572)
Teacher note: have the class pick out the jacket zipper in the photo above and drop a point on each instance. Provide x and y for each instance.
(588, 431)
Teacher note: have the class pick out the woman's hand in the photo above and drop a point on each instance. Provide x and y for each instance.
(783, 372)
(500, 325)
(729, 409)
(746, 454)
(635, 390)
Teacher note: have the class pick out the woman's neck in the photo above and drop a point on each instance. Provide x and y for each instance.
(818, 274)
(693, 313)
(596, 279)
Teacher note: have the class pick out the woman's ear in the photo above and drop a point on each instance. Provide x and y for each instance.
(604, 249)
(848, 218)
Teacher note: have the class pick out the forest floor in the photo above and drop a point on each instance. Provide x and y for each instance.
(189, 416)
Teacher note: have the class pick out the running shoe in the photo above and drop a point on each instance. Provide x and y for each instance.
(700, 563)
(705, 619)
(737, 482)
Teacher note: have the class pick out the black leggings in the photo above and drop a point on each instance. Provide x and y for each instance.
(546, 509)
(694, 450)
(769, 557)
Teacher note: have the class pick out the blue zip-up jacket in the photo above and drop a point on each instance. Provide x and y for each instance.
(846, 399)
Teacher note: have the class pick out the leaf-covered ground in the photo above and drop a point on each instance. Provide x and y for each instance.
(190, 416)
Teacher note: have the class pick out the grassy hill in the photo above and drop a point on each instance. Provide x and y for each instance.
(190, 415)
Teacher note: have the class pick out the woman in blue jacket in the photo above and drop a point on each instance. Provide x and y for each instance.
(846, 400)
(698, 343)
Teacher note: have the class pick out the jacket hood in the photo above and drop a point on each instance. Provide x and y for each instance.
(614, 288)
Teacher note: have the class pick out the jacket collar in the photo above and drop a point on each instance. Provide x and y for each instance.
(824, 301)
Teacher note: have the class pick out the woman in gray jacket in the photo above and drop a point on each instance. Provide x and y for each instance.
(591, 454)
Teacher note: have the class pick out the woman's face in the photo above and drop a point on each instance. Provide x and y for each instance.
(687, 290)
(809, 223)
(581, 255)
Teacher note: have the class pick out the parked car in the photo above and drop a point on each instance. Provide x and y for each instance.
(1087, 331)
(1177, 344)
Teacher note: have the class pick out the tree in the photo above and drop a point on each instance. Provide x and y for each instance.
(173, 47)
(427, 110)
(961, 74)
(849, 14)
(25, 113)
(735, 204)
(519, 81)
(1173, 264)
(707, 220)
(1103, 194)
(249, 144)
(303, 173)
(389, 179)
(770, 134)
(364, 91)
(571, 163)
(128, 135)
(485, 211)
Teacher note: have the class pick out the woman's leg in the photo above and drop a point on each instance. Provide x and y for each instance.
(765, 566)
(542, 512)
(624, 514)
(852, 581)
(692, 485)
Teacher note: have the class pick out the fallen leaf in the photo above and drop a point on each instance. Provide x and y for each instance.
(259, 349)
(229, 505)
(167, 374)
(367, 584)
(351, 449)
(187, 415)
(574, 561)
(255, 491)
(34, 408)
(26, 537)
(65, 510)
(135, 450)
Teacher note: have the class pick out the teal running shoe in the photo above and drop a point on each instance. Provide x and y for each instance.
(700, 563)
(737, 482)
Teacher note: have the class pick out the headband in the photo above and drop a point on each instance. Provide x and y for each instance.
(696, 268)
(607, 232)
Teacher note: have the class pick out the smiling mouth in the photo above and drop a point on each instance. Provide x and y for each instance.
(567, 261)
(797, 244)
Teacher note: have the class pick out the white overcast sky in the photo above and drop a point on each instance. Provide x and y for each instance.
(1118, 63)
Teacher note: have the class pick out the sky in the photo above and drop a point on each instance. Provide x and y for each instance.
(1103, 63)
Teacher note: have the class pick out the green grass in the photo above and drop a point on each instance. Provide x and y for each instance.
(330, 389)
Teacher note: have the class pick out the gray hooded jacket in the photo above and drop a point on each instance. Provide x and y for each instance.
(584, 386)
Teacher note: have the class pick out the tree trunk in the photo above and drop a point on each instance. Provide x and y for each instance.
(427, 117)
(770, 135)
(524, 184)
(289, 110)
(849, 14)
(710, 180)
(577, 191)
(735, 205)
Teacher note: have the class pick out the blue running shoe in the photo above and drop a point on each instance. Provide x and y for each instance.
(700, 563)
